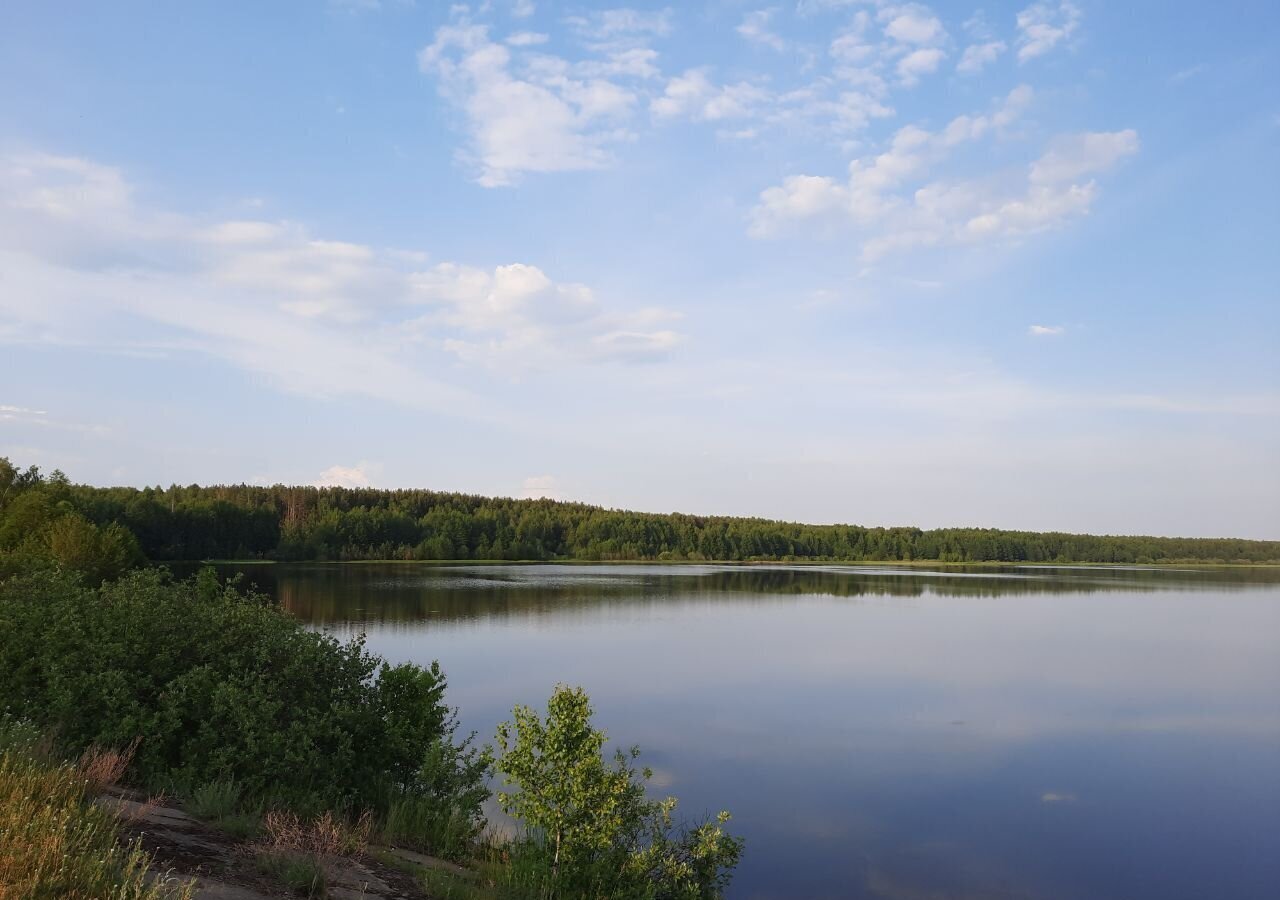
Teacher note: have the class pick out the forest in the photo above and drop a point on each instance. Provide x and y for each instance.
(123, 525)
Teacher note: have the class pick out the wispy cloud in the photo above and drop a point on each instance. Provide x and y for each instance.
(756, 29)
(86, 262)
(1042, 26)
(978, 56)
(1188, 73)
(39, 418)
(525, 109)
(1045, 330)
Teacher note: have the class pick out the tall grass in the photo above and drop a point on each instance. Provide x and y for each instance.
(56, 843)
(426, 824)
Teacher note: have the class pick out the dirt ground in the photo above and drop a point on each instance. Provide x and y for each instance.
(224, 867)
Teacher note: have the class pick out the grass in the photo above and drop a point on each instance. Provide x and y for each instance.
(426, 825)
(219, 804)
(441, 884)
(293, 849)
(301, 873)
(55, 842)
(213, 800)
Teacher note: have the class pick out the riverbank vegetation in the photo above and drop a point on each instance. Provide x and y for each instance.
(220, 699)
(55, 842)
(102, 531)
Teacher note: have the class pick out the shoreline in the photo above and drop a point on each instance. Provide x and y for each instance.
(743, 563)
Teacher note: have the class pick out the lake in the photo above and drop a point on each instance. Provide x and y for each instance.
(888, 732)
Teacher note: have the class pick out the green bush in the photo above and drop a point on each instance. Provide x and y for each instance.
(592, 832)
(223, 687)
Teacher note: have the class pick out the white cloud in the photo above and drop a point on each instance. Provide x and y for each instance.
(356, 476)
(869, 196)
(1045, 330)
(755, 28)
(1187, 73)
(891, 203)
(526, 39)
(1076, 155)
(8, 411)
(611, 26)
(693, 95)
(320, 317)
(912, 24)
(525, 110)
(799, 197)
(523, 9)
(1042, 26)
(541, 487)
(978, 56)
(919, 62)
(553, 119)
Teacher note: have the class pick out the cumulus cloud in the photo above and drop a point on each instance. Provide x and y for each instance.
(87, 263)
(870, 195)
(553, 117)
(693, 95)
(1044, 25)
(356, 476)
(912, 23)
(919, 62)
(893, 203)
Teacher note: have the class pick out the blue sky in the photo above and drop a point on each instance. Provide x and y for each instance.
(1008, 264)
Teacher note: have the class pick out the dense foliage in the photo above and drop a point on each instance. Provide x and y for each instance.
(307, 523)
(592, 830)
(225, 688)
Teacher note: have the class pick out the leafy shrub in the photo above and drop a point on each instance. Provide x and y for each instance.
(223, 687)
(592, 832)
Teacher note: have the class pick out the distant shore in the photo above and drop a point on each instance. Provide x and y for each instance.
(810, 563)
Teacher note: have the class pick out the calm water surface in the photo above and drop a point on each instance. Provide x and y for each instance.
(889, 733)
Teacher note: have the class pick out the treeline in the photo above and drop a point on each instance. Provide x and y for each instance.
(308, 523)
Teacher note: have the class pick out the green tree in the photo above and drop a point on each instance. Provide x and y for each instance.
(590, 823)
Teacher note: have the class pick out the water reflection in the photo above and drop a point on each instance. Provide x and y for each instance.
(345, 593)
(887, 732)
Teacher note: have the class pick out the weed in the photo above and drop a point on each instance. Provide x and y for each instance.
(214, 800)
(301, 873)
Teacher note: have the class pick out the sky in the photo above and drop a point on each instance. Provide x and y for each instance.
(1009, 264)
